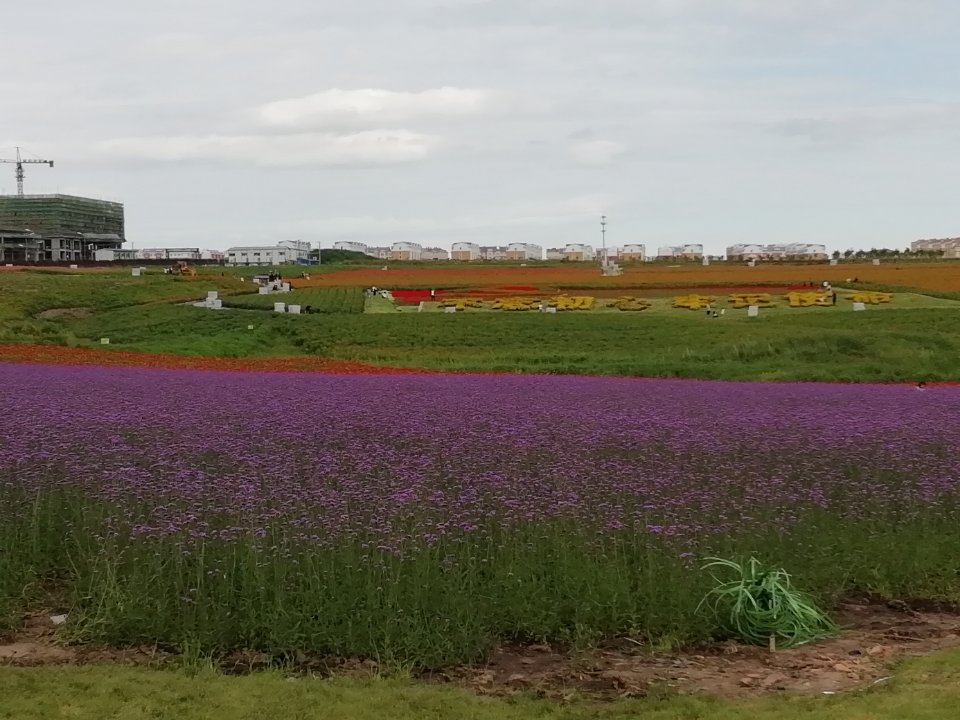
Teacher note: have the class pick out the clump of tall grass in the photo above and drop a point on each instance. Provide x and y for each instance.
(760, 606)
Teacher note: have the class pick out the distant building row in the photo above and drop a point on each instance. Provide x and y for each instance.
(950, 247)
(173, 254)
(790, 251)
(472, 252)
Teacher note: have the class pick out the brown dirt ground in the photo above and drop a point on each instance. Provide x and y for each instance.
(875, 637)
(77, 313)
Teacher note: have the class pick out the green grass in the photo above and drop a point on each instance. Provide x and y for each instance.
(319, 300)
(815, 344)
(926, 689)
(913, 338)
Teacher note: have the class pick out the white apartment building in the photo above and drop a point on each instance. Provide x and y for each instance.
(114, 255)
(633, 252)
(802, 252)
(169, 254)
(524, 251)
(554, 254)
(493, 253)
(434, 253)
(350, 246)
(465, 251)
(681, 252)
(745, 252)
(286, 252)
(214, 255)
(949, 246)
(577, 252)
(406, 251)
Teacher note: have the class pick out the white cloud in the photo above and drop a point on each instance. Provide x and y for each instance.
(374, 105)
(371, 147)
(596, 153)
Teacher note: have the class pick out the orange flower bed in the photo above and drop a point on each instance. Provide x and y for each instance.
(53, 355)
(932, 276)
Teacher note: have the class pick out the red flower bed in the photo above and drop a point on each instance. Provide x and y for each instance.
(54, 355)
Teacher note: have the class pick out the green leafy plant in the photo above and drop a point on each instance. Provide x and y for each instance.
(760, 607)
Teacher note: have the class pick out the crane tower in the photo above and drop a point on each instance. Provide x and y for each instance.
(20, 162)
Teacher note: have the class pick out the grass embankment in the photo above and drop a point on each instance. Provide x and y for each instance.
(927, 689)
(889, 345)
(34, 304)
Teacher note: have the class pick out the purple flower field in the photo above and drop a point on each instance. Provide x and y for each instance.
(497, 492)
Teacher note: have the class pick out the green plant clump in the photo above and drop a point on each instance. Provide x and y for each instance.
(760, 606)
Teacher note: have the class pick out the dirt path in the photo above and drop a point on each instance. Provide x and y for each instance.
(875, 638)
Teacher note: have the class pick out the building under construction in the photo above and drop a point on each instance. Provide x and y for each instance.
(57, 228)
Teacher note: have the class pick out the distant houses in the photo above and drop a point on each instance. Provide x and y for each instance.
(790, 252)
(949, 247)
(286, 252)
(680, 252)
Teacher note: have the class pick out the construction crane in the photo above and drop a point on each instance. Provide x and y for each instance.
(20, 162)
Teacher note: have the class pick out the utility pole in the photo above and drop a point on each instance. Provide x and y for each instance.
(20, 162)
(603, 235)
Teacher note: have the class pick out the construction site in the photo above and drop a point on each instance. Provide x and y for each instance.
(55, 228)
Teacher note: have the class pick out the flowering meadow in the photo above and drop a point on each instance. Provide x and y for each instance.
(423, 518)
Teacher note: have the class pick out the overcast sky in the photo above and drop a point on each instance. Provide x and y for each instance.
(716, 121)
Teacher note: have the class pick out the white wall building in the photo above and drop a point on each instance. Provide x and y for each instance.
(945, 245)
(465, 251)
(681, 252)
(286, 252)
(168, 254)
(524, 251)
(114, 255)
(434, 253)
(406, 251)
(634, 252)
(745, 252)
(555, 254)
(351, 246)
(493, 253)
(577, 252)
(778, 252)
(214, 255)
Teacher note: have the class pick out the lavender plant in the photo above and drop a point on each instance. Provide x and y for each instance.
(427, 518)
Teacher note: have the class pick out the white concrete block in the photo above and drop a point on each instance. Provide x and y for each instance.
(135, 272)
(212, 295)
(279, 307)
(74, 267)
(834, 262)
(706, 262)
(876, 262)
(217, 304)
(753, 311)
(859, 307)
(104, 341)
(293, 309)
(264, 291)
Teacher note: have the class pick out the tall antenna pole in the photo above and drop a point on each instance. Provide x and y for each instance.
(603, 234)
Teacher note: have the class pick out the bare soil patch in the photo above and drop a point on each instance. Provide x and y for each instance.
(875, 637)
(77, 313)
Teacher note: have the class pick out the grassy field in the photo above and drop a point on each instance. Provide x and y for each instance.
(321, 300)
(927, 689)
(912, 338)
(889, 344)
